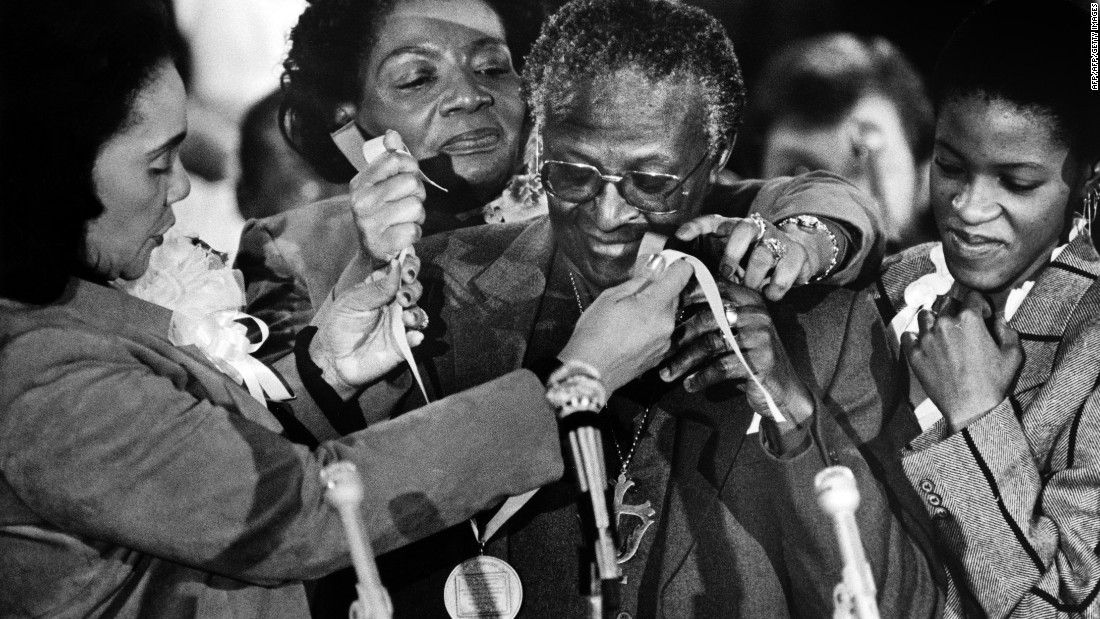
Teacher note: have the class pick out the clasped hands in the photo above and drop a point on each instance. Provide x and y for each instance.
(965, 365)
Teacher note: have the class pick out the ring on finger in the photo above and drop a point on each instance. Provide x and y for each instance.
(761, 226)
(777, 248)
(731, 313)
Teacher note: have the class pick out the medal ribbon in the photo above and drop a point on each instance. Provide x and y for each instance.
(506, 511)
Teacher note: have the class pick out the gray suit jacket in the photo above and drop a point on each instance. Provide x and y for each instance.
(739, 532)
(1015, 497)
(136, 480)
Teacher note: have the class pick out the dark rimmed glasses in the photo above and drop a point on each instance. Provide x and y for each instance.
(648, 192)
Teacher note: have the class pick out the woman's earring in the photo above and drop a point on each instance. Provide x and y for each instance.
(1091, 203)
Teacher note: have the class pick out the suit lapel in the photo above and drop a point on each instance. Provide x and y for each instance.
(710, 431)
(1045, 313)
(491, 320)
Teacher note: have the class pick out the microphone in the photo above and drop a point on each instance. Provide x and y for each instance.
(344, 491)
(578, 394)
(838, 496)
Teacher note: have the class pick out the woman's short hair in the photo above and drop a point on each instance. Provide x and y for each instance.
(328, 47)
(1033, 55)
(817, 81)
(71, 72)
(587, 40)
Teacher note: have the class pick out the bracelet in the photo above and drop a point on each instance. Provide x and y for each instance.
(576, 386)
(813, 225)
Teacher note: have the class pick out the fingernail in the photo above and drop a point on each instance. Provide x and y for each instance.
(655, 262)
(665, 374)
(726, 271)
(405, 298)
(411, 273)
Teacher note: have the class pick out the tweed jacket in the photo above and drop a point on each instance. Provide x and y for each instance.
(1015, 497)
(136, 480)
(738, 533)
(292, 260)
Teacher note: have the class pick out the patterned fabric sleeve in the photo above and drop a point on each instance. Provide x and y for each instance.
(1015, 497)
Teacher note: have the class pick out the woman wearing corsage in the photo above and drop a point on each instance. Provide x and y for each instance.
(138, 477)
(998, 323)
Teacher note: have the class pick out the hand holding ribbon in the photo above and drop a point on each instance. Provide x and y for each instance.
(357, 337)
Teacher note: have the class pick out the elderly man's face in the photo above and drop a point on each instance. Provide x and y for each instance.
(617, 125)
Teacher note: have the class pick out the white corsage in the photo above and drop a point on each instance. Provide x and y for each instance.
(522, 199)
(922, 293)
(205, 295)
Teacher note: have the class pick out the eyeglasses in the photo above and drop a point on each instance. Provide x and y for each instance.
(648, 192)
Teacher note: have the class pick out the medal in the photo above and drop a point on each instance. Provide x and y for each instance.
(483, 587)
(486, 587)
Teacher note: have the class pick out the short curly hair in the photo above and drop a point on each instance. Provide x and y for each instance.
(591, 39)
(328, 47)
(1035, 58)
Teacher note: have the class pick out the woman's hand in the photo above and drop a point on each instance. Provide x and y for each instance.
(806, 254)
(354, 344)
(703, 356)
(628, 328)
(388, 202)
(964, 368)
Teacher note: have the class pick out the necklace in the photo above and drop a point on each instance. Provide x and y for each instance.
(643, 512)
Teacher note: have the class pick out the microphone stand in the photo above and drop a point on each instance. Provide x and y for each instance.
(838, 496)
(577, 393)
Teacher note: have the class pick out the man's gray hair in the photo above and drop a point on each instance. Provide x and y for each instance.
(589, 40)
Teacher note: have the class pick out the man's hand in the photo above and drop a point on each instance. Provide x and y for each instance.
(628, 328)
(702, 354)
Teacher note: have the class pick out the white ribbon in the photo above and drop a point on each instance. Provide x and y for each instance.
(359, 154)
(398, 324)
(224, 341)
(714, 301)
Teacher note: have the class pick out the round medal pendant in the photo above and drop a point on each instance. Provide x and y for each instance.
(483, 588)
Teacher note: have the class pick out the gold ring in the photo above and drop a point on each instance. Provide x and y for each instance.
(731, 313)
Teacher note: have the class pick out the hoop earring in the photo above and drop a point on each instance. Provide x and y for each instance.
(1091, 203)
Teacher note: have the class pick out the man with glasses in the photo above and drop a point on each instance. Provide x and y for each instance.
(637, 104)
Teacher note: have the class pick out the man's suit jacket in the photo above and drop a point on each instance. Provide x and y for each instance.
(1015, 497)
(136, 480)
(292, 261)
(739, 532)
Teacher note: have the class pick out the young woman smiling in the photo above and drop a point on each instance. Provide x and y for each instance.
(998, 323)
